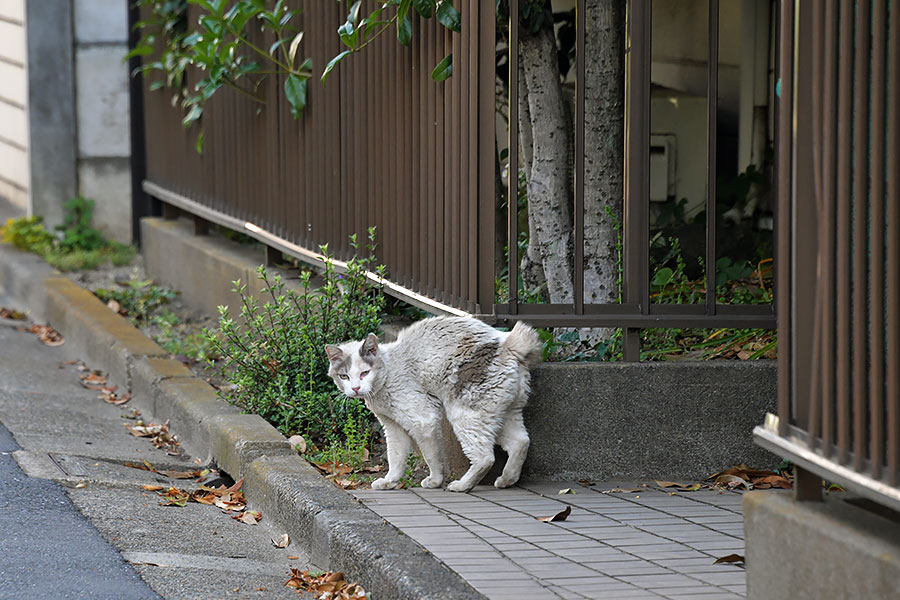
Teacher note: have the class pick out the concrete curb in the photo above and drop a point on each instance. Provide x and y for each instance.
(335, 530)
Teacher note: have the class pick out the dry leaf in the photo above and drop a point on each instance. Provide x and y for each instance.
(586, 482)
(11, 313)
(293, 558)
(94, 380)
(731, 481)
(560, 516)
(152, 488)
(330, 586)
(731, 558)
(47, 335)
(80, 484)
(772, 481)
(565, 491)
(282, 542)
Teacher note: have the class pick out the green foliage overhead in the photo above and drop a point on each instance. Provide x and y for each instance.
(222, 46)
(356, 33)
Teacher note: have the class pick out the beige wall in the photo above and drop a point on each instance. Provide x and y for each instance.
(14, 170)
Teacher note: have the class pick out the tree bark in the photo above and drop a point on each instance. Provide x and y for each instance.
(548, 205)
(604, 150)
(532, 268)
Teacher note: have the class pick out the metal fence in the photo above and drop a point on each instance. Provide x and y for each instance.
(839, 197)
(381, 144)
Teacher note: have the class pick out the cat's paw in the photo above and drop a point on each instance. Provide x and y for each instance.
(384, 484)
(458, 486)
(503, 482)
(433, 481)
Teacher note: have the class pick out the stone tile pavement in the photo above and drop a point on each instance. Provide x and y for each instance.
(646, 544)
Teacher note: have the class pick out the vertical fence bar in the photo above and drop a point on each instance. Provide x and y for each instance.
(512, 177)
(826, 240)
(842, 341)
(636, 231)
(860, 235)
(712, 109)
(814, 401)
(578, 207)
(893, 261)
(485, 211)
(876, 254)
(783, 216)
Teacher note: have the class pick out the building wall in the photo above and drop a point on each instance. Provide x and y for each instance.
(77, 90)
(102, 112)
(14, 170)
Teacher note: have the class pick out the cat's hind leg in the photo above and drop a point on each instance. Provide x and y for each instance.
(476, 436)
(514, 440)
(398, 446)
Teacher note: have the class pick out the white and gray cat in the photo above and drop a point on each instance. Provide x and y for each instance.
(460, 366)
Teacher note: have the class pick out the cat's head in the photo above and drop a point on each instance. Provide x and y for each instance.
(356, 367)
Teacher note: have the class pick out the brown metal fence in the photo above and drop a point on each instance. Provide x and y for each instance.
(381, 144)
(839, 197)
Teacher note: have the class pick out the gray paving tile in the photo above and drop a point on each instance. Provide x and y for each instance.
(616, 568)
(531, 553)
(704, 596)
(670, 580)
(729, 544)
(720, 579)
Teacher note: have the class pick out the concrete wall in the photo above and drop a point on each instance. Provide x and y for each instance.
(79, 111)
(101, 101)
(13, 104)
(812, 550)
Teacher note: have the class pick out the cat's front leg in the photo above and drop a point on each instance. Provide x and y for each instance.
(399, 445)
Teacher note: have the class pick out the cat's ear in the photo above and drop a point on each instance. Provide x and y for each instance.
(334, 353)
(369, 346)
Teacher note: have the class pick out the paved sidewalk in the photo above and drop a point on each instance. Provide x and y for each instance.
(647, 544)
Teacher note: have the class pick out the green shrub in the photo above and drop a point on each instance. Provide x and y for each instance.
(27, 233)
(137, 298)
(77, 247)
(274, 352)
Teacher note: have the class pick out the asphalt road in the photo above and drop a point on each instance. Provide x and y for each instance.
(75, 522)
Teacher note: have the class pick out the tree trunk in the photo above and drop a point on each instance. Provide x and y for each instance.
(604, 146)
(532, 268)
(548, 205)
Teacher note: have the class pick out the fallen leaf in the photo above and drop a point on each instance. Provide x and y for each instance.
(282, 542)
(152, 488)
(835, 488)
(565, 491)
(731, 558)
(80, 484)
(11, 313)
(586, 482)
(330, 586)
(47, 335)
(682, 487)
(772, 481)
(93, 380)
(293, 558)
(560, 516)
(175, 497)
(621, 491)
(731, 481)
(114, 306)
(250, 517)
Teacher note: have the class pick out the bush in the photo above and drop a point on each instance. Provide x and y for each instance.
(274, 353)
(78, 246)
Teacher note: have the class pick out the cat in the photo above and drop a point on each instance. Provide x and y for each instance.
(458, 366)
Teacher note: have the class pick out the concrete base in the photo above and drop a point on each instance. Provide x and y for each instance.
(812, 550)
(683, 420)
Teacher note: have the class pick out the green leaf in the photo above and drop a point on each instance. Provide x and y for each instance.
(424, 7)
(403, 9)
(292, 50)
(199, 144)
(663, 276)
(443, 69)
(404, 31)
(333, 63)
(295, 90)
(448, 16)
(192, 115)
(347, 34)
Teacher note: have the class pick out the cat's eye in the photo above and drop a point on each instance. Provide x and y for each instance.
(363, 374)
(344, 376)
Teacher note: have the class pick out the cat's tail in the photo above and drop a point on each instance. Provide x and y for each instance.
(523, 342)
